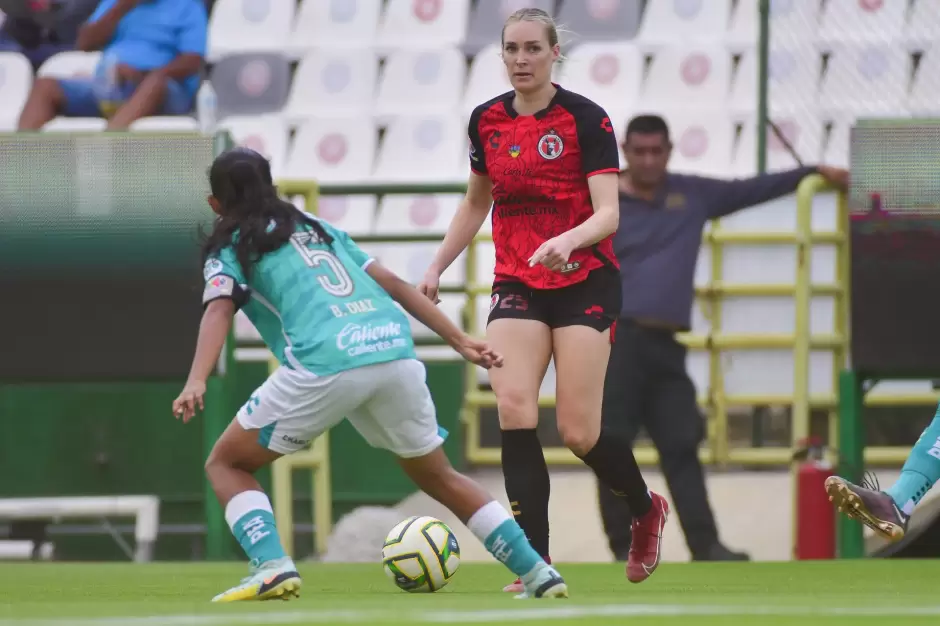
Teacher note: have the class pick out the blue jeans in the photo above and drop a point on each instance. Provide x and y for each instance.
(82, 98)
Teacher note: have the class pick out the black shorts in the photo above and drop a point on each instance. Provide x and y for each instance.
(594, 302)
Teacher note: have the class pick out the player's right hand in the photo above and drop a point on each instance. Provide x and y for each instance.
(184, 407)
(430, 286)
(479, 353)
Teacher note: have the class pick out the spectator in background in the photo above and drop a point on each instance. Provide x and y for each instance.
(152, 62)
(662, 216)
(33, 38)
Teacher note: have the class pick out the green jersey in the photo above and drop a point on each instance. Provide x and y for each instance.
(314, 304)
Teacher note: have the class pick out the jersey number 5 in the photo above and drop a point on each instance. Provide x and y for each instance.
(337, 282)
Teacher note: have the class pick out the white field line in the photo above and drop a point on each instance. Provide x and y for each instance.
(483, 617)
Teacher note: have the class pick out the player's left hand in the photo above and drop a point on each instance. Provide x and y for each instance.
(191, 397)
(554, 253)
(479, 353)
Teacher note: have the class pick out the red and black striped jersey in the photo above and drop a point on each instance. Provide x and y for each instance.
(539, 165)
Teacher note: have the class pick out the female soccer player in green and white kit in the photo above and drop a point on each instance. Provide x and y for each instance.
(326, 311)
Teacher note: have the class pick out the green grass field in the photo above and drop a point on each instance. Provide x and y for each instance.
(860, 592)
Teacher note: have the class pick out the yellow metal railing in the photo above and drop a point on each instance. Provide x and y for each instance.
(715, 401)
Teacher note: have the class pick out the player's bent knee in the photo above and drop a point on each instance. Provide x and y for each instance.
(517, 409)
(579, 436)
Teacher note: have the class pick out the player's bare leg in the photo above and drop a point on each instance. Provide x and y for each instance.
(581, 355)
(234, 459)
(527, 349)
(487, 520)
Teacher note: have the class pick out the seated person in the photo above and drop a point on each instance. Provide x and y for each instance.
(38, 35)
(151, 64)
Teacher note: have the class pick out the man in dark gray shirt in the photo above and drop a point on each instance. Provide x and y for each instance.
(662, 216)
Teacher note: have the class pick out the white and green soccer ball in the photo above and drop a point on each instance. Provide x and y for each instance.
(421, 554)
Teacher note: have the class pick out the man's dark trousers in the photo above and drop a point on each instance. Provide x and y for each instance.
(647, 386)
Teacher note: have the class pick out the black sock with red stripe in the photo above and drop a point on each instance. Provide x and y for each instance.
(527, 484)
(613, 463)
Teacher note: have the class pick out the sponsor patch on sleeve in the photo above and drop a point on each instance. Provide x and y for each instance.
(218, 287)
(211, 268)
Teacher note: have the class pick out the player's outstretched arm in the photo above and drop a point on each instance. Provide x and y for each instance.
(213, 330)
(463, 228)
(426, 312)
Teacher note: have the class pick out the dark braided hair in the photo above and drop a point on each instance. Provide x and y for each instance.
(254, 219)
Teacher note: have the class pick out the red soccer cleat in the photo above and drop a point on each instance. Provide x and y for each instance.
(646, 548)
(517, 586)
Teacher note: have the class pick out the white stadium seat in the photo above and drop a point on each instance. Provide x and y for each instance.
(744, 28)
(689, 21)
(168, 123)
(75, 125)
(688, 77)
(417, 82)
(487, 78)
(793, 80)
(411, 261)
(703, 141)
(865, 79)
(267, 21)
(353, 214)
(70, 65)
(333, 150)
(265, 134)
(610, 73)
(794, 21)
(16, 79)
(921, 27)
(804, 131)
(879, 21)
(422, 23)
(424, 149)
(348, 24)
(401, 214)
(333, 82)
(924, 98)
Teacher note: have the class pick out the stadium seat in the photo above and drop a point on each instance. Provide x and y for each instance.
(266, 134)
(333, 82)
(875, 21)
(609, 73)
(411, 261)
(600, 20)
(487, 78)
(239, 26)
(353, 214)
(489, 16)
(70, 65)
(793, 80)
(422, 24)
(333, 150)
(16, 79)
(703, 141)
(689, 21)
(688, 77)
(418, 82)
(744, 29)
(251, 84)
(75, 125)
(805, 132)
(451, 305)
(924, 98)
(335, 24)
(401, 214)
(836, 150)
(865, 79)
(424, 149)
(794, 20)
(167, 123)
(921, 28)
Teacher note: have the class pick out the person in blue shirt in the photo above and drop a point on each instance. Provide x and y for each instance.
(327, 311)
(151, 64)
(47, 28)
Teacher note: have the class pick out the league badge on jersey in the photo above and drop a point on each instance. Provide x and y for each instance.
(211, 268)
(514, 150)
(218, 287)
(551, 146)
(473, 152)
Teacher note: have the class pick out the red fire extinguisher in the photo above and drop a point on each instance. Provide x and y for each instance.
(815, 516)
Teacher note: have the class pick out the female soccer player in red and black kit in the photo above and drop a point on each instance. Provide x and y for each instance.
(546, 160)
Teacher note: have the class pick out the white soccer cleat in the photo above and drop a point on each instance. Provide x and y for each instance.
(547, 584)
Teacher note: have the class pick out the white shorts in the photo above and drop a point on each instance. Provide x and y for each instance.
(388, 403)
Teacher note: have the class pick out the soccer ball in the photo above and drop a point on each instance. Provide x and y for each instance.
(421, 554)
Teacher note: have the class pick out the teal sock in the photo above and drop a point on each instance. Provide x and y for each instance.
(251, 518)
(505, 540)
(921, 470)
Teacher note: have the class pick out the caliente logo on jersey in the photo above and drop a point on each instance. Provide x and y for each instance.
(355, 339)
